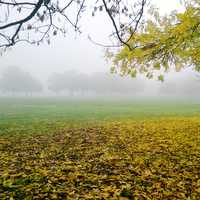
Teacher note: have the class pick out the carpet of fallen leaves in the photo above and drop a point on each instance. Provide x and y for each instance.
(149, 159)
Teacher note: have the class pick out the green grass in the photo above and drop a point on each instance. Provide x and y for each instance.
(34, 115)
(99, 149)
(44, 109)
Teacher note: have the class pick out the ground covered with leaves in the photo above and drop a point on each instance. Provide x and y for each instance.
(136, 159)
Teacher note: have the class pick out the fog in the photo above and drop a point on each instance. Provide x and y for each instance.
(15, 81)
(74, 66)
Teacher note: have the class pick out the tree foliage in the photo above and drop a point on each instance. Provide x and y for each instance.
(163, 43)
(150, 45)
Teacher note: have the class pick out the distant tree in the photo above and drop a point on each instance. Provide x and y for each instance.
(114, 84)
(169, 88)
(182, 86)
(97, 83)
(55, 83)
(69, 81)
(16, 81)
(72, 81)
(189, 87)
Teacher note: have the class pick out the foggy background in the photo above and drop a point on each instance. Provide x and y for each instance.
(73, 66)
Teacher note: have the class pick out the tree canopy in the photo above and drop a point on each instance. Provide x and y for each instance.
(146, 42)
(163, 43)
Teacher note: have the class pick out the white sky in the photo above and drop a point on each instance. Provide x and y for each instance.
(70, 53)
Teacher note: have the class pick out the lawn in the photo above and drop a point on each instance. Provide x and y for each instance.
(99, 149)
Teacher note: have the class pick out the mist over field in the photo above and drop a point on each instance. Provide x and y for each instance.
(14, 81)
(99, 100)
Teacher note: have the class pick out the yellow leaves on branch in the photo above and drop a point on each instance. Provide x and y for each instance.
(163, 43)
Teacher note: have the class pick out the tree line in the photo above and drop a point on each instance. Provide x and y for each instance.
(15, 81)
(72, 82)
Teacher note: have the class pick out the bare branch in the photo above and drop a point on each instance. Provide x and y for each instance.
(30, 16)
(78, 13)
(18, 4)
(62, 10)
(139, 19)
(115, 26)
(40, 19)
(103, 45)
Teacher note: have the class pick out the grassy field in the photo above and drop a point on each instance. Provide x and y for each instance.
(99, 149)
(45, 109)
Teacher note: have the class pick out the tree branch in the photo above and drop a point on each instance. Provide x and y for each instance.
(115, 26)
(30, 16)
